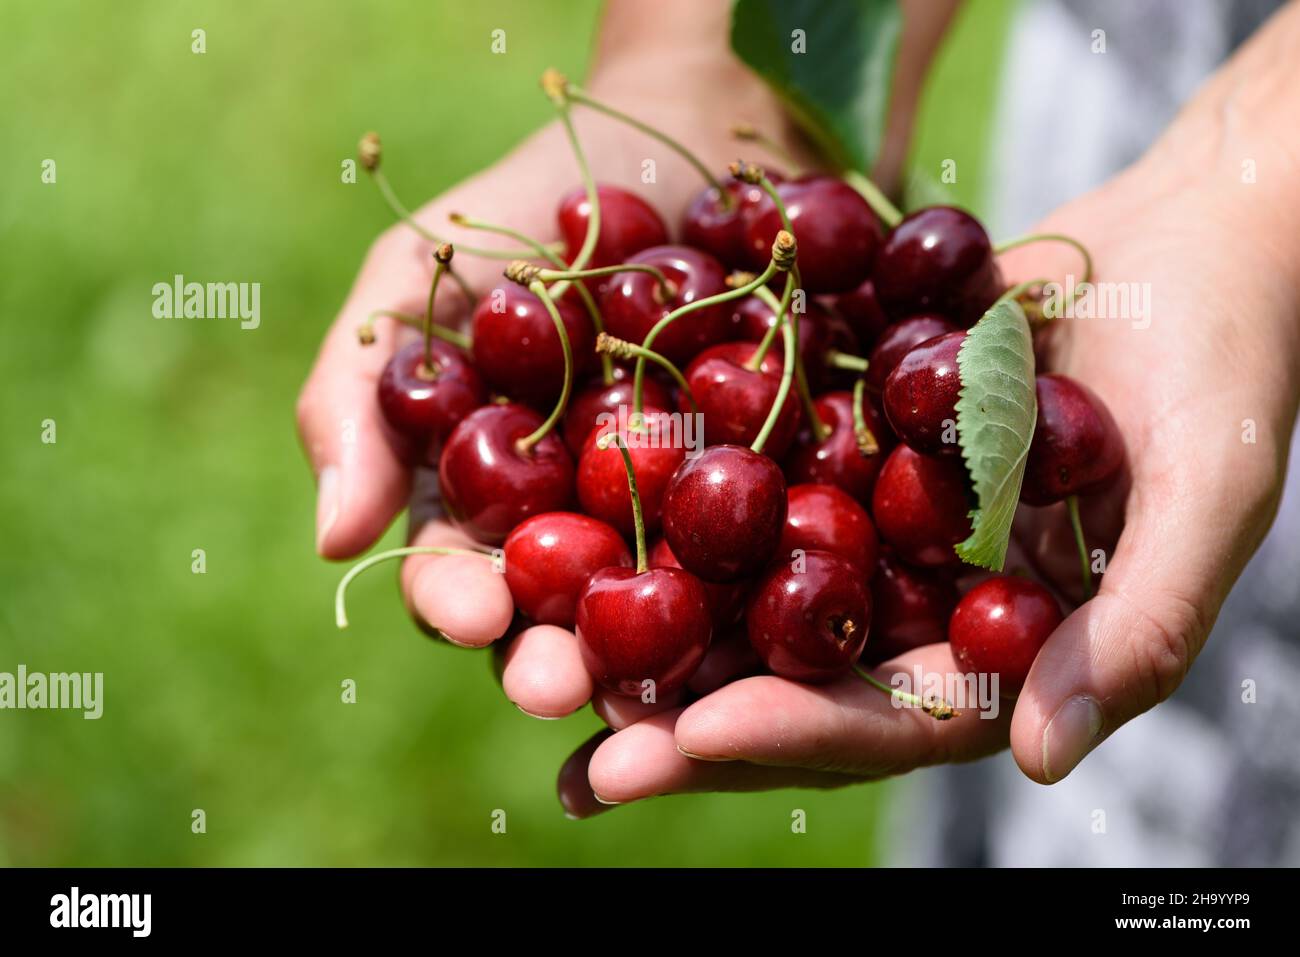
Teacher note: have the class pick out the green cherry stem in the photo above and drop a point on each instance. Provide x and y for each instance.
(819, 430)
(638, 519)
(789, 340)
(939, 710)
(340, 608)
(862, 434)
(538, 289)
(1072, 505)
(754, 175)
(441, 263)
(889, 213)
(665, 289)
(842, 360)
(1050, 238)
(555, 86)
(366, 330)
(780, 310)
(607, 345)
(746, 133)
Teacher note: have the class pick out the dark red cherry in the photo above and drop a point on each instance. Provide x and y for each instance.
(634, 301)
(726, 601)
(838, 460)
(1076, 447)
(900, 339)
(735, 401)
(837, 232)
(638, 627)
(920, 396)
(489, 485)
(921, 505)
(549, 558)
(517, 348)
(808, 622)
(861, 309)
(724, 512)
(602, 477)
(423, 405)
(596, 397)
(627, 224)
(720, 230)
(999, 626)
(821, 517)
(938, 259)
(819, 330)
(910, 608)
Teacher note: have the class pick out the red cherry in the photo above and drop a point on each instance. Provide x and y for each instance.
(489, 485)
(517, 348)
(900, 339)
(821, 517)
(920, 396)
(999, 626)
(837, 460)
(837, 232)
(726, 601)
(735, 401)
(938, 259)
(602, 477)
(921, 506)
(724, 512)
(861, 309)
(1076, 447)
(627, 224)
(910, 608)
(634, 301)
(819, 330)
(810, 624)
(549, 558)
(648, 626)
(710, 226)
(421, 406)
(596, 397)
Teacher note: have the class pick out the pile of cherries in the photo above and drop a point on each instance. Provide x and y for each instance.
(819, 519)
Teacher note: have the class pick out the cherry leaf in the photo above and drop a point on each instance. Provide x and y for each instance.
(996, 414)
(830, 61)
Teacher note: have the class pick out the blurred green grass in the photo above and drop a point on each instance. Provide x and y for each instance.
(222, 690)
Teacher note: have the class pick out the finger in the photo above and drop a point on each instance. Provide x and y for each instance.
(847, 726)
(462, 596)
(619, 711)
(544, 675)
(572, 786)
(643, 761)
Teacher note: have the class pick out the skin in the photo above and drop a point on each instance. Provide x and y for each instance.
(1193, 504)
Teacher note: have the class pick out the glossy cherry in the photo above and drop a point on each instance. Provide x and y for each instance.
(596, 397)
(837, 232)
(819, 330)
(920, 396)
(938, 259)
(709, 225)
(735, 400)
(921, 505)
(602, 479)
(900, 339)
(423, 404)
(838, 460)
(517, 348)
(999, 626)
(726, 601)
(808, 622)
(489, 485)
(549, 558)
(910, 608)
(634, 301)
(724, 512)
(862, 310)
(824, 518)
(628, 224)
(1076, 446)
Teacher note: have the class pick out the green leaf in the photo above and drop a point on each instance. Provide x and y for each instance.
(996, 413)
(838, 87)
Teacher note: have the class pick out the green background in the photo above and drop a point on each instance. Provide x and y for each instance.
(222, 690)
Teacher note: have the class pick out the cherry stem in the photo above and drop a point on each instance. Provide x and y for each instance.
(754, 175)
(1052, 238)
(666, 288)
(1072, 505)
(862, 434)
(789, 340)
(441, 263)
(638, 519)
(366, 330)
(555, 86)
(340, 609)
(939, 710)
(780, 309)
(538, 289)
(842, 360)
(889, 213)
(607, 345)
(1020, 289)
(576, 94)
(819, 429)
(751, 134)
(551, 256)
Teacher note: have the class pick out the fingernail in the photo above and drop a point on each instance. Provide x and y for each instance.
(327, 504)
(700, 757)
(539, 717)
(603, 801)
(1070, 735)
